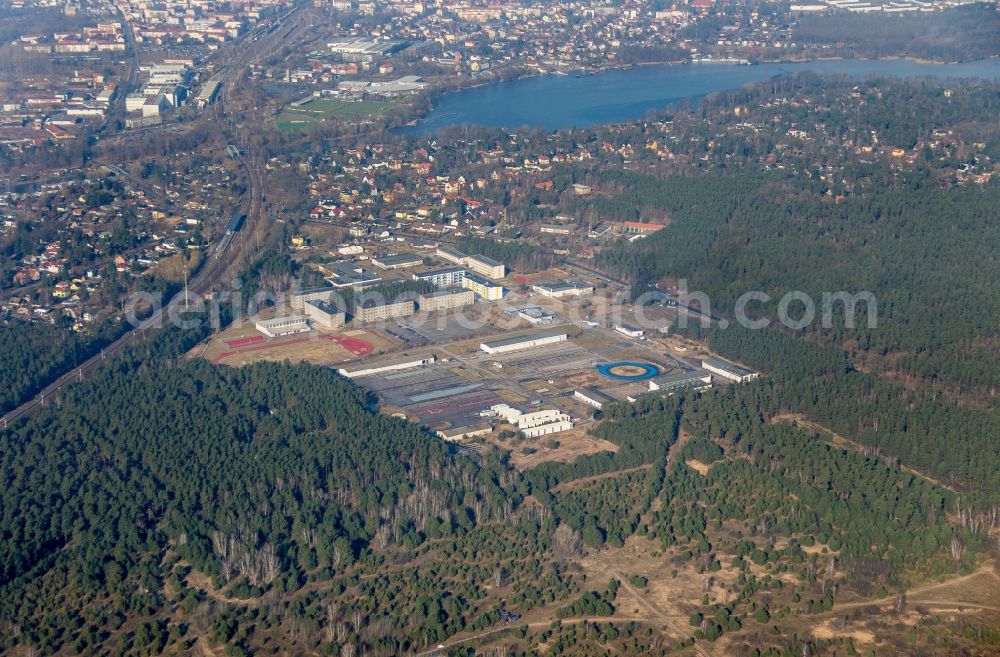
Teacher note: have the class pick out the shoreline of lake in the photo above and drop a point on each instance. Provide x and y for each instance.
(530, 99)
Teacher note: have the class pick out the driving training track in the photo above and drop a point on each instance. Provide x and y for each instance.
(649, 371)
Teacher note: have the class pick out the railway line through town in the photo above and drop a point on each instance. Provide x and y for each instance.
(209, 277)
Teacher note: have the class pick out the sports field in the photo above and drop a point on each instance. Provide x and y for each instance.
(313, 113)
(242, 345)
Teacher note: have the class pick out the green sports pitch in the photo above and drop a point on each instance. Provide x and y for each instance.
(312, 113)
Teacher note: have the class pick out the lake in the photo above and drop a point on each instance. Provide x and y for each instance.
(560, 101)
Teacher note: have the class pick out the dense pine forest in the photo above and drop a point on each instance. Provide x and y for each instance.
(168, 503)
(168, 506)
(37, 353)
(926, 255)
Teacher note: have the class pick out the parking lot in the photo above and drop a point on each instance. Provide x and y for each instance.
(559, 359)
(434, 394)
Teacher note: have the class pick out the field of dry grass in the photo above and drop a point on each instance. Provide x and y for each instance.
(572, 445)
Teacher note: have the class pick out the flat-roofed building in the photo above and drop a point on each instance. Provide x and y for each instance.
(567, 288)
(448, 277)
(279, 326)
(535, 423)
(728, 370)
(536, 315)
(450, 254)
(483, 287)
(547, 429)
(455, 434)
(372, 311)
(399, 261)
(207, 93)
(362, 49)
(484, 266)
(555, 229)
(445, 299)
(298, 299)
(528, 341)
(671, 383)
(629, 330)
(594, 397)
(325, 314)
(641, 228)
(371, 369)
(348, 274)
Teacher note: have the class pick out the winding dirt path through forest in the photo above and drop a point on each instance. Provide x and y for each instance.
(676, 625)
(985, 570)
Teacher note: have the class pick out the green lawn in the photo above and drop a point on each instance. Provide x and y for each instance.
(311, 114)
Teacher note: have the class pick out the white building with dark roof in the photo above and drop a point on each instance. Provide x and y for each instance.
(728, 370)
(529, 341)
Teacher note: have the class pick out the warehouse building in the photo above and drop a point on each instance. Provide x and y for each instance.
(385, 366)
(484, 266)
(279, 326)
(445, 299)
(363, 50)
(594, 397)
(671, 383)
(728, 370)
(455, 434)
(207, 94)
(400, 261)
(373, 311)
(524, 341)
(555, 229)
(325, 314)
(298, 299)
(448, 277)
(629, 330)
(559, 289)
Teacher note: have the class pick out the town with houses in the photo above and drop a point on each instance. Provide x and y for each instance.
(503, 224)
(436, 380)
(166, 53)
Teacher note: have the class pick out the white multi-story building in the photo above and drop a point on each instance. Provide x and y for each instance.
(325, 314)
(374, 311)
(448, 277)
(535, 423)
(483, 287)
(484, 266)
(445, 299)
(299, 298)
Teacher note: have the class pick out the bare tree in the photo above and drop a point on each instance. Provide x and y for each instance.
(566, 542)
(957, 549)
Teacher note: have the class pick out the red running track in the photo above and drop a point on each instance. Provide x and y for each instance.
(243, 342)
(356, 346)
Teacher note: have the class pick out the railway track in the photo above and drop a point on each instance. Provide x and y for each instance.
(210, 276)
